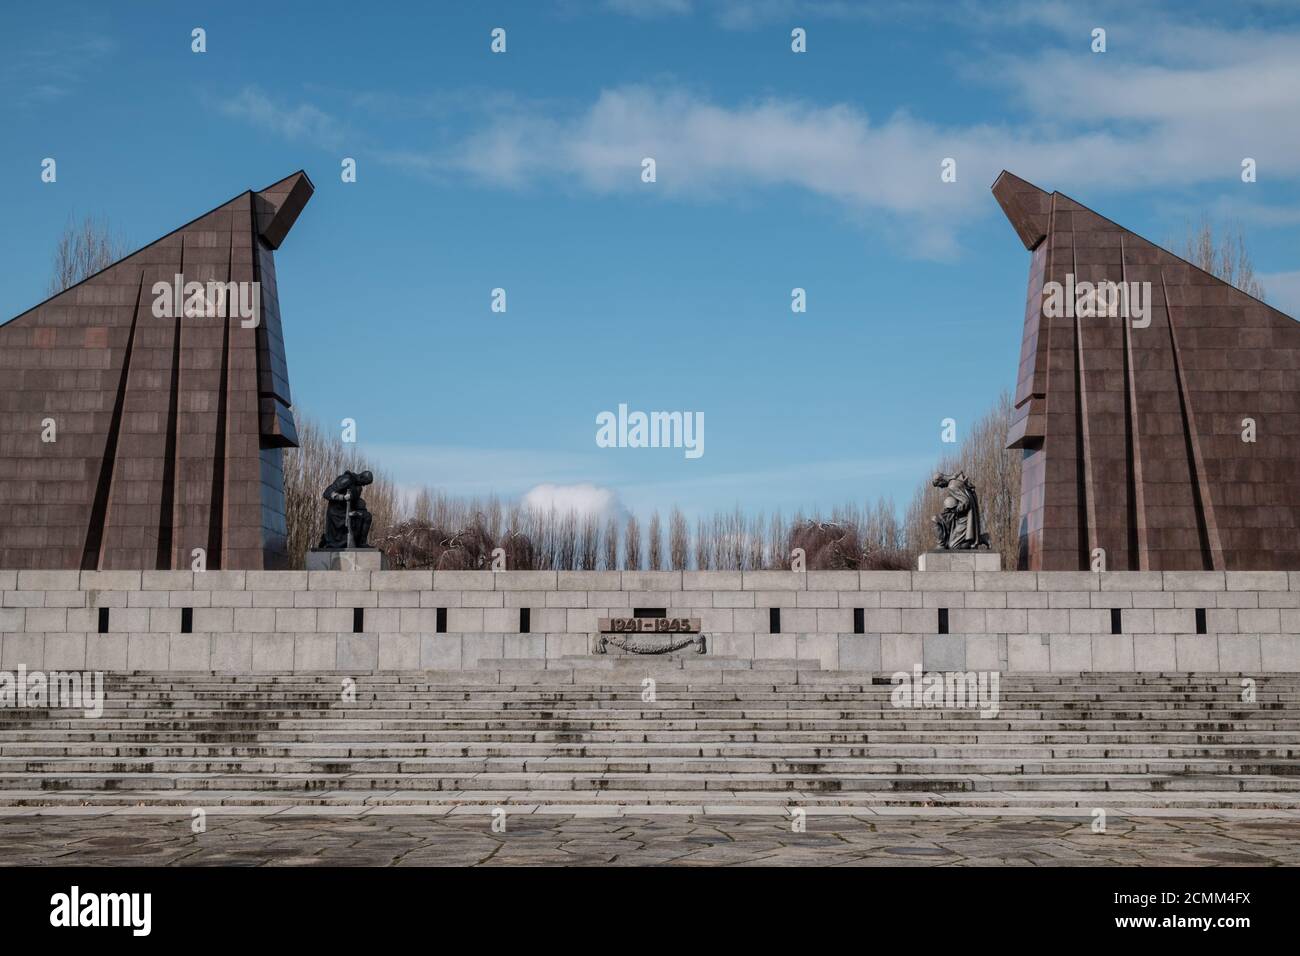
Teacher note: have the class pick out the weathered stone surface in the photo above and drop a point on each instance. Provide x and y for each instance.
(346, 559)
(463, 580)
(401, 580)
(982, 561)
(977, 604)
(525, 581)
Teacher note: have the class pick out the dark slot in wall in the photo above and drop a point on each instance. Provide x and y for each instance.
(440, 624)
(859, 621)
(217, 512)
(187, 620)
(103, 620)
(525, 620)
(1116, 623)
(774, 620)
(1200, 620)
(358, 620)
(90, 556)
(943, 620)
(167, 506)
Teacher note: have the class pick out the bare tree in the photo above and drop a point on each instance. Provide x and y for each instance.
(654, 535)
(422, 506)
(566, 542)
(1223, 255)
(882, 542)
(609, 544)
(588, 542)
(703, 552)
(632, 544)
(678, 540)
(827, 545)
(778, 543)
(755, 552)
(82, 250)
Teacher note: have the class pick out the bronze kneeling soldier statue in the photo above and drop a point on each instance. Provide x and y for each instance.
(347, 522)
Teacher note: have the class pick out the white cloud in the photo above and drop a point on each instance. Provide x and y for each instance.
(1229, 208)
(460, 470)
(1199, 101)
(705, 150)
(649, 8)
(303, 122)
(1093, 126)
(584, 500)
(753, 14)
(53, 66)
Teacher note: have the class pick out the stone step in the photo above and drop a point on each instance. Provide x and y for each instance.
(615, 695)
(729, 765)
(659, 703)
(815, 750)
(652, 733)
(903, 717)
(719, 733)
(797, 695)
(959, 722)
(796, 692)
(512, 781)
(1068, 679)
(626, 692)
(660, 745)
(634, 802)
(703, 678)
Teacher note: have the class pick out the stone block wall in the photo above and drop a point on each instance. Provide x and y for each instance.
(1015, 621)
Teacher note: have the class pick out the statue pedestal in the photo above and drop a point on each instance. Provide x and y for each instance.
(959, 561)
(346, 559)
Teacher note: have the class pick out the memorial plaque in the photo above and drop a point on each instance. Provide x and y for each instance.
(652, 625)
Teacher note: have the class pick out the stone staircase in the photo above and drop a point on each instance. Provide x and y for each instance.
(759, 737)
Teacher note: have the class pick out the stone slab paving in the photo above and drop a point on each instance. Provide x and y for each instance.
(539, 835)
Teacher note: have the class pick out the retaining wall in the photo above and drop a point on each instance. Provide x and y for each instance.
(255, 621)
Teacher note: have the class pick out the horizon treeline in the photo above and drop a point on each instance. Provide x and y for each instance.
(434, 530)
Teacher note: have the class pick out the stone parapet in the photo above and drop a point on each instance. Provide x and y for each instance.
(879, 621)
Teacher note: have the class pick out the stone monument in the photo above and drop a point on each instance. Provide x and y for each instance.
(344, 543)
(171, 427)
(1136, 409)
(962, 543)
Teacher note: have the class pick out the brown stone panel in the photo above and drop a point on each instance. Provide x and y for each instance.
(1027, 206)
(161, 453)
(202, 361)
(272, 368)
(1139, 448)
(277, 207)
(1027, 425)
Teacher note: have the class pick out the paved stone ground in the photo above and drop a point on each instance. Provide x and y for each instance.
(410, 836)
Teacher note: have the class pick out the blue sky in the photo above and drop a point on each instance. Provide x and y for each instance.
(775, 170)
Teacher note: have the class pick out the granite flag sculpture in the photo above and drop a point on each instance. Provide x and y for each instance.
(144, 411)
(1158, 407)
